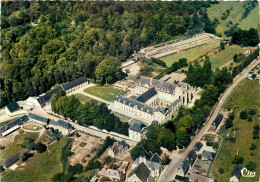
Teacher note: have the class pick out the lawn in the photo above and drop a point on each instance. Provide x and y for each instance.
(83, 98)
(216, 11)
(240, 98)
(223, 57)
(41, 167)
(252, 20)
(122, 117)
(15, 147)
(106, 92)
(191, 54)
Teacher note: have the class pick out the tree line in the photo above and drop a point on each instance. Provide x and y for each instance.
(88, 114)
(71, 39)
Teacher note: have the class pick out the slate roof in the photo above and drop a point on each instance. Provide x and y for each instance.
(18, 121)
(133, 103)
(181, 178)
(13, 106)
(208, 155)
(156, 158)
(141, 171)
(150, 154)
(191, 156)
(158, 84)
(38, 118)
(64, 124)
(46, 97)
(184, 166)
(198, 146)
(137, 127)
(11, 160)
(144, 155)
(236, 171)
(52, 122)
(218, 120)
(74, 83)
(147, 95)
(163, 110)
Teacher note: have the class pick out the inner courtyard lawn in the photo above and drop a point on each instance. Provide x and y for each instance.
(244, 96)
(41, 167)
(106, 92)
(83, 98)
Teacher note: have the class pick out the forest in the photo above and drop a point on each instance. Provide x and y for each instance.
(48, 43)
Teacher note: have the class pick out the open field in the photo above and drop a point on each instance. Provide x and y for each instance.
(216, 11)
(236, 12)
(252, 20)
(106, 92)
(241, 98)
(191, 54)
(223, 57)
(15, 147)
(41, 167)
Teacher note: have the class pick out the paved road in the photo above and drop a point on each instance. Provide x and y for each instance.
(170, 171)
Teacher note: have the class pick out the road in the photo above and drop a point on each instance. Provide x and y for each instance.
(170, 171)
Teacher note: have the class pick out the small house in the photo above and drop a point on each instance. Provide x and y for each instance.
(183, 168)
(236, 173)
(206, 155)
(137, 131)
(139, 174)
(117, 149)
(11, 161)
(10, 108)
(198, 146)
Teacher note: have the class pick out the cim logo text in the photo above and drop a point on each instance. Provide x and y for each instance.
(247, 173)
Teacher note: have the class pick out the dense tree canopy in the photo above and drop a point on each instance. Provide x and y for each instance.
(70, 39)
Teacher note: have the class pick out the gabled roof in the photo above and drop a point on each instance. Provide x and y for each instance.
(46, 97)
(13, 106)
(144, 155)
(208, 155)
(236, 171)
(218, 120)
(137, 127)
(150, 154)
(198, 146)
(52, 122)
(18, 121)
(147, 95)
(192, 156)
(156, 158)
(134, 103)
(163, 110)
(11, 160)
(64, 124)
(184, 166)
(141, 171)
(74, 83)
(38, 118)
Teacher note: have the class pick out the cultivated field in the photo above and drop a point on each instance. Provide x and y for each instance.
(106, 92)
(41, 167)
(244, 96)
(192, 54)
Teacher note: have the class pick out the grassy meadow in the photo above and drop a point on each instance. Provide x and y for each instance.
(244, 96)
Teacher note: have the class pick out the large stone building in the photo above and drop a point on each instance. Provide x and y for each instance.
(157, 99)
(137, 131)
(69, 87)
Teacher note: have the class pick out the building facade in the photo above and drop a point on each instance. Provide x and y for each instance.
(157, 100)
(137, 131)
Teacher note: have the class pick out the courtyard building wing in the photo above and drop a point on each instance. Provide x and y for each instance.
(74, 83)
(38, 118)
(147, 95)
(46, 97)
(14, 123)
(64, 124)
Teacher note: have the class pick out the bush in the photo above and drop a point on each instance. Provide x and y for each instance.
(228, 123)
(159, 62)
(250, 119)
(40, 147)
(237, 160)
(199, 156)
(251, 165)
(165, 160)
(243, 114)
(253, 146)
(252, 112)
(221, 170)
